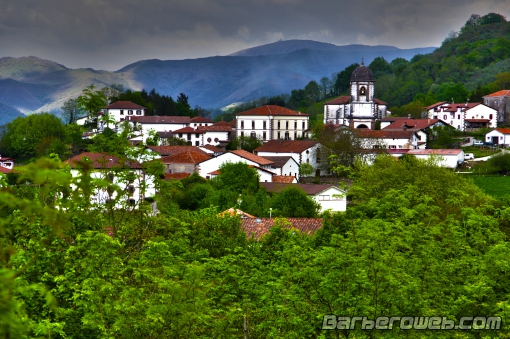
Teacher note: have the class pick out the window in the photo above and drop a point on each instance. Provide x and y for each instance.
(253, 135)
(278, 124)
(121, 112)
(287, 137)
(189, 136)
(208, 139)
(458, 116)
(286, 125)
(304, 125)
(242, 134)
(295, 124)
(197, 143)
(130, 112)
(197, 135)
(109, 176)
(253, 124)
(445, 117)
(264, 137)
(131, 201)
(131, 190)
(242, 123)
(138, 112)
(362, 90)
(216, 139)
(180, 135)
(490, 116)
(264, 125)
(279, 136)
(324, 197)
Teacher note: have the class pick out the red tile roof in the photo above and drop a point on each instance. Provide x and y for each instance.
(101, 160)
(259, 227)
(436, 104)
(384, 134)
(124, 105)
(286, 146)
(188, 130)
(477, 120)
(434, 151)
(279, 162)
(171, 150)
(411, 124)
(213, 148)
(223, 123)
(503, 130)
(286, 179)
(339, 101)
(5, 170)
(201, 120)
(188, 157)
(503, 93)
(160, 119)
(176, 176)
(215, 128)
(271, 110)
(250, 156)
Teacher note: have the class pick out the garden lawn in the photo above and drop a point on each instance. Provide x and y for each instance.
(496, 186)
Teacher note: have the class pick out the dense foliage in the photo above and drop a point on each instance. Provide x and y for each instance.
(417, 240)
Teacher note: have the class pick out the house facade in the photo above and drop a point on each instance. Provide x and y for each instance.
(464, 117)
(121, 110)
(359, 110)
(208, 168)
(389, 139)
(499, 136)
(129, 184)
(500, 101)
(271, 122)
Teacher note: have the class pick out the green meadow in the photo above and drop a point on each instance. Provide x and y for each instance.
(496, 186)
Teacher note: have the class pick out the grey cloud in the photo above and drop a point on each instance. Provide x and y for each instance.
(110, 33)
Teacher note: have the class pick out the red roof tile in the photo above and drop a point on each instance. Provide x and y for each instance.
(124, 105)
(434, 151)
(259, 227)
(188, 130)
(101, 160)
(339, 101)
(176, 176)
(271, 110)
(213, 148)
(5, 170)
(171, 150)
(160, 119)
(477, 120)
(188, 157)
(384, 134)
(201, 120)
(215, 128)
(502, 93)
(250, 156)
(411, 124)
(436, 104)
(286, 146)
(503, 130)
(286, 179)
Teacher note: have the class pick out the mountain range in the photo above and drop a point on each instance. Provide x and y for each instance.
(31, 84)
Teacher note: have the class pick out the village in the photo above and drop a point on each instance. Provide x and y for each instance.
(287, 144)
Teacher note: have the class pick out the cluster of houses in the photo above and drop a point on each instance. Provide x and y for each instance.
(285, 145)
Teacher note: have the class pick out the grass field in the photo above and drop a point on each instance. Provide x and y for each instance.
(496, 186)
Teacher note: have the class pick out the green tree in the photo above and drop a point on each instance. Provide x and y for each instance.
(237, 177)
(294, 202)
(91, 101)
(25, 137)
(245, 143)
(70, 111)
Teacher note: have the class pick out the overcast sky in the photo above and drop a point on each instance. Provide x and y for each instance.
(110, 34)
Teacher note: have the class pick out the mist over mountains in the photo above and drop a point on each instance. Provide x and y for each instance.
(31, 84)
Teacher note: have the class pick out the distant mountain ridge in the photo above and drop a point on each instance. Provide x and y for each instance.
(31, 84)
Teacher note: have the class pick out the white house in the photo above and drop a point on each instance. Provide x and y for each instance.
(389, 139)
(422, 127)
(215, 134)
(329, 197)
(449, 158)
(464, 117)
(499, 136)
(200, 121)
(285, 165)
(209, 166)
(303, 151)
(128, 176)
(192, 136)
(359, 110)
(271, 122)
(159, 123)
(6, 162)
(120, 110)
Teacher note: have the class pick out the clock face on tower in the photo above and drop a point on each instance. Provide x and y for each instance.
(362, 90)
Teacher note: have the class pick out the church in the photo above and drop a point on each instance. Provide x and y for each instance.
(360, 109)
